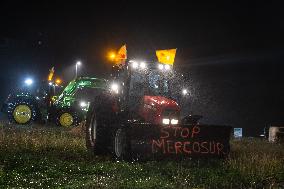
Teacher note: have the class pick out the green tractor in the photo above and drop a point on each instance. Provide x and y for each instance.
(66, 109)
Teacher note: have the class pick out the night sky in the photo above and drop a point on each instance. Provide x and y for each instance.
(232, 53)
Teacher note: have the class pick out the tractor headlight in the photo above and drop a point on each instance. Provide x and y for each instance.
(174, 121)
(135, 64)
(167, 67)
(161, 66)
(83, 104)
(166, 121)
(142, 65)
(114, 87)
(164, 67)
(184, 92)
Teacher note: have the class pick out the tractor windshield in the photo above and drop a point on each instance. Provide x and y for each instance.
(152, 83)
(158, 85)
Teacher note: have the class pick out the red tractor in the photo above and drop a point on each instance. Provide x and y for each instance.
(140, 117)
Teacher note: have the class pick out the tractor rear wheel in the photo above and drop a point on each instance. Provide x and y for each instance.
(22, 112)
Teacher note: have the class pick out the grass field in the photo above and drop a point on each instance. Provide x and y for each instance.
(50, 157)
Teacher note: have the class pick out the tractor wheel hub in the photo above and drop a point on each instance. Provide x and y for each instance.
(66, 120)
(22, 114)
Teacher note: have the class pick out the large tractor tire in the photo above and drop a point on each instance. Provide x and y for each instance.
(98, 123)
(22, 112)
(95, 133)
(67, 118)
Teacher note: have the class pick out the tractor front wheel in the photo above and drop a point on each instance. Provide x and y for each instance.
(99, 121)
(95, 133)
(67, 118)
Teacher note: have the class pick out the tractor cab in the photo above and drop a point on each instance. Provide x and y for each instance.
(150, 91)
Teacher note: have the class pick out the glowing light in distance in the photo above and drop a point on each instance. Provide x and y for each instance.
(111, 55)
(28, 81)
(58, 81)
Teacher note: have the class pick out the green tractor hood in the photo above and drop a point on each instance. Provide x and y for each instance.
(66, 98)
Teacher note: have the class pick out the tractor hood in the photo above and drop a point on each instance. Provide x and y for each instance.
(154, 108)
(160, 101)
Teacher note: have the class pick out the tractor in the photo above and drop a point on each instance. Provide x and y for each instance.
(67, 109)
(140, 117)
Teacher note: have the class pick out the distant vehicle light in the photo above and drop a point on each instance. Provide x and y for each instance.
(58, 81)
(28, 81)
(112, 55)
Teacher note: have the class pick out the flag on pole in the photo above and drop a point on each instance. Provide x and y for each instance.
(121, 55)
(51, 73)
(166, 56)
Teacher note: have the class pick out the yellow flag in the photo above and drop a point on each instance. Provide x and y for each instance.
(51, 73)
(166, 56)
(121, 55)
